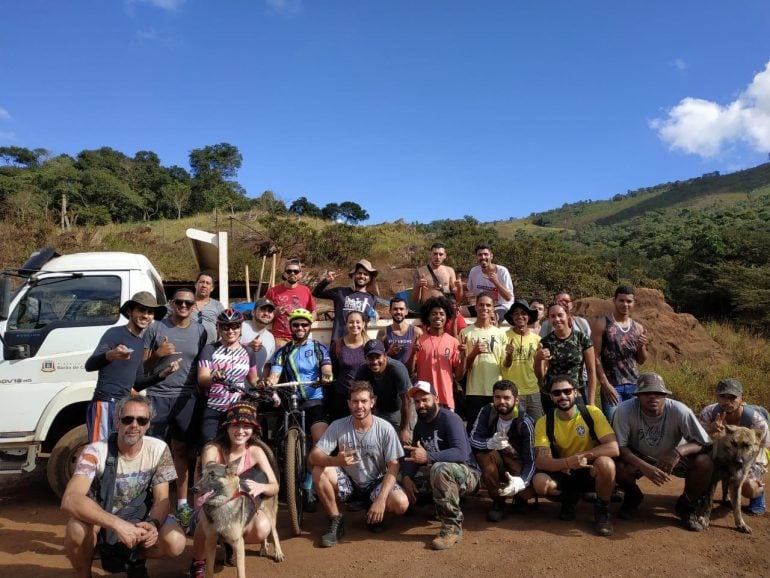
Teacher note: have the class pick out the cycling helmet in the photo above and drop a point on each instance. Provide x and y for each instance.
(230, 315)
(300, 314)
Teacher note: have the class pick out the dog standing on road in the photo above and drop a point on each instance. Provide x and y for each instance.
(229, 510)
(734, 451)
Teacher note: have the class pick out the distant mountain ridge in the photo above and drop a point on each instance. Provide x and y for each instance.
(709, 190)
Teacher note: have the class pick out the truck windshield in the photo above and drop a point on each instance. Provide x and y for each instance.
(90, 299)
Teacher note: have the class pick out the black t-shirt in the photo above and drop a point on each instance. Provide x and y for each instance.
(388, 387)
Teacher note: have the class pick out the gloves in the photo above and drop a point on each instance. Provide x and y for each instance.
(498, 442)
(515, 485)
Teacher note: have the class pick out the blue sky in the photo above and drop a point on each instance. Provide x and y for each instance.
(415, 109)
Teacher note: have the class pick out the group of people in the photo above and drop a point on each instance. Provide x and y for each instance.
(428, 411)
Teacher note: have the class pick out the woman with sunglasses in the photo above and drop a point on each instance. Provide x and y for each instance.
(347, 357)
(237, 444)
(223, 364)
(565, 351)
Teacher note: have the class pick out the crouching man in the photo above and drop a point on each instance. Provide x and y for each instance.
(574, 447)
(118, 498)
(502, 439)
(441, 445)
(364, 469)
(730, 410)
(650, 430)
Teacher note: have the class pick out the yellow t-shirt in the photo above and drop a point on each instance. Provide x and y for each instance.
(572, 436)
(522, 369)
(485, 371)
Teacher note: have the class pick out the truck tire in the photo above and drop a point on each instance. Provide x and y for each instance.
(61, 464)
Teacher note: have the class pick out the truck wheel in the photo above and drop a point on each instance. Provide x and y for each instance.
(65, 453)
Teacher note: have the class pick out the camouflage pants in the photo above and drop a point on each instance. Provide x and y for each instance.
(449, 482)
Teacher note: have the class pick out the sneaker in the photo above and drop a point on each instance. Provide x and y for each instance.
(333, 534)
(496, 512)
(568, 503)
(137, 569)
(198, 569)
(630, 506)
(602, 523)
(446, 539)
(309, 502)
(686, 512)
(757, 505)
(377, 528)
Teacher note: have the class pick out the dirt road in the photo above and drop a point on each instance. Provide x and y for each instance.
(31, 532)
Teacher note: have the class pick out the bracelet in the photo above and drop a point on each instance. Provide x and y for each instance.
(155, 522)
(677, 452)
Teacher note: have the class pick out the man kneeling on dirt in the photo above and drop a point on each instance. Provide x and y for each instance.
(730, 410)
(574, 448)
(502, 439)
(365, 466)
(441, 445)
(118, 498)
(650, 430)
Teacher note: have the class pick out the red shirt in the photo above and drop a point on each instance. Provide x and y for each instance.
(288, 298)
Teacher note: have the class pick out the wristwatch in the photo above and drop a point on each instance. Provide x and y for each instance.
(155, 522)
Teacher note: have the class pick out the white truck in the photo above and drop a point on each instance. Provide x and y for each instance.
(49, 326)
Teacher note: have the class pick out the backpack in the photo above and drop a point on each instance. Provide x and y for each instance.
(283, 357)
(113, 553)
(550, 423)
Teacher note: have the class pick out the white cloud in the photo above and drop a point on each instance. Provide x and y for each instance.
(170, 5)
(285, 7)
(678, 63)
(4, 114)
(705, 128)
(7, 135)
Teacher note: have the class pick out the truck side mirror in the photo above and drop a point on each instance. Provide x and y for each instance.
(5, 297)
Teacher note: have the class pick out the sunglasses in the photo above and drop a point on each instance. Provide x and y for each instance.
(559, 392)
(292, 271)
(140, 419)
(300, 324)
(229, 326)
(183, 303)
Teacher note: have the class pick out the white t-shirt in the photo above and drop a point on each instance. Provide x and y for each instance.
(266, 352)
(479, 283)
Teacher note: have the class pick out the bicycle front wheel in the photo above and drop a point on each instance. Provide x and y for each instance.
(295, 473)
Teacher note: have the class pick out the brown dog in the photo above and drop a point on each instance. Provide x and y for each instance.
(734, 451)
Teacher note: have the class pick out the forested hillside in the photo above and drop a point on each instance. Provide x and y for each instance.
(705, 242)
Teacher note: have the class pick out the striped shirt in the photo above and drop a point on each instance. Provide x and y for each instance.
(237, 364)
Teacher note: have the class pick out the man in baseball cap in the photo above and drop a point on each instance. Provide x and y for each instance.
(440, 444)
(390, 381)
(731, 410)
(649, 430)
(256, 334)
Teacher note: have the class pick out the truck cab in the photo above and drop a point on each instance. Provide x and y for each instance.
(49, 327)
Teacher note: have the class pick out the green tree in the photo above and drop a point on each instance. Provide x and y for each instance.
(302, 207)
(211, 166)
(331, 212)
(352, 213)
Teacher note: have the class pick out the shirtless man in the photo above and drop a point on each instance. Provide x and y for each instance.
(435, 279)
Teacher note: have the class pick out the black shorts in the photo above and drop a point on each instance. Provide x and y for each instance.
(177, 417)
(577, 481)
(315, 412)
